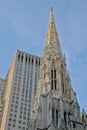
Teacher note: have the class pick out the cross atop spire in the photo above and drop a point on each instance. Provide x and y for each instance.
(52, 36)
(51, 10)
(51, 26)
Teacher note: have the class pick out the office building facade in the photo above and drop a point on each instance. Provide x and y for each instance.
(2, 95)
(21, 87)
(55, 106)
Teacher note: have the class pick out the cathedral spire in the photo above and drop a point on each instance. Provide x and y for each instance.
(55, 106)
(52, 36)
(52, 27)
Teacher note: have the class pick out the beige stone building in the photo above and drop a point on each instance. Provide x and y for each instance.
(2, 95)
(56, 106)
(21, 86)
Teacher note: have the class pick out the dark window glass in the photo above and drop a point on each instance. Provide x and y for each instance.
(55, 74)
(55, 84)
(53, 115)
(56, 117)
(51, 74)
(65, 117)
(52, 84)
(62, 82)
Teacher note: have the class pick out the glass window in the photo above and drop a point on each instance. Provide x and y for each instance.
(62, 79)
(51, 74)
(54, 73)
(53, 79)
(53, 115)
(65, 117)
(52, 84)
(56, 117)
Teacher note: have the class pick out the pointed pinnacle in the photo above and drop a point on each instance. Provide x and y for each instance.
(51, 14)
(51, 9)
(52, 36)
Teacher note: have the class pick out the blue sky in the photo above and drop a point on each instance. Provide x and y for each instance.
(23, 26)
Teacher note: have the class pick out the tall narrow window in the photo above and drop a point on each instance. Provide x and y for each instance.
(32, 61)
(55, 74)
(36, 62)
(65, 117)
(39, 62)
(44, 71)
(62, 80)
(56, 117)
(62, 76)
(19, 57)
(55, 84)
(51, 74)
(26, 59)
(53, 115)
(53, 79)
(22, 58)
(63, 87)
(74, 125)
(29, 60)
(52, 84)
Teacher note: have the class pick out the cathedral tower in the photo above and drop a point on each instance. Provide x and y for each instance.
(56, 106)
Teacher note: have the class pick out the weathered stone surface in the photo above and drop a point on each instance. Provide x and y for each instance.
(56, 106)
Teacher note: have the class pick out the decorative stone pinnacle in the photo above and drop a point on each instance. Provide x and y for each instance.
(51, 9)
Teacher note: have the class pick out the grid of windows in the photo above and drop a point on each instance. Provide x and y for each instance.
(25, 85)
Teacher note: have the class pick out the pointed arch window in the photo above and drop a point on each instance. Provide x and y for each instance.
(62, 81)
(55, 116)
(55, 73)
(65, 118)
(53, 79)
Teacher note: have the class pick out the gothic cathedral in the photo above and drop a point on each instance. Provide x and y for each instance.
(55, 106)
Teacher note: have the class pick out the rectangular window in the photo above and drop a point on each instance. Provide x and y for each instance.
(51, 74)
(63, 87)
(62, 77)
(62, 80)
(65, 117)
(55, 74)
(55, 84)
(53, 115)
(56, 117)
(52, 84)
(53, 79)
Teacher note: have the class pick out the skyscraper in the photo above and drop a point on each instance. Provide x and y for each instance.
(21, 86)
(2, 95)
(56, 106)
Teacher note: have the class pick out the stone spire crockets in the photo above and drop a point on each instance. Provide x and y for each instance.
(52, 40)
(55, 106)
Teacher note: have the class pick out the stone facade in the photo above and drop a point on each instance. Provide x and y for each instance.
(2, 95)
(21, 87)
(56, 106)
